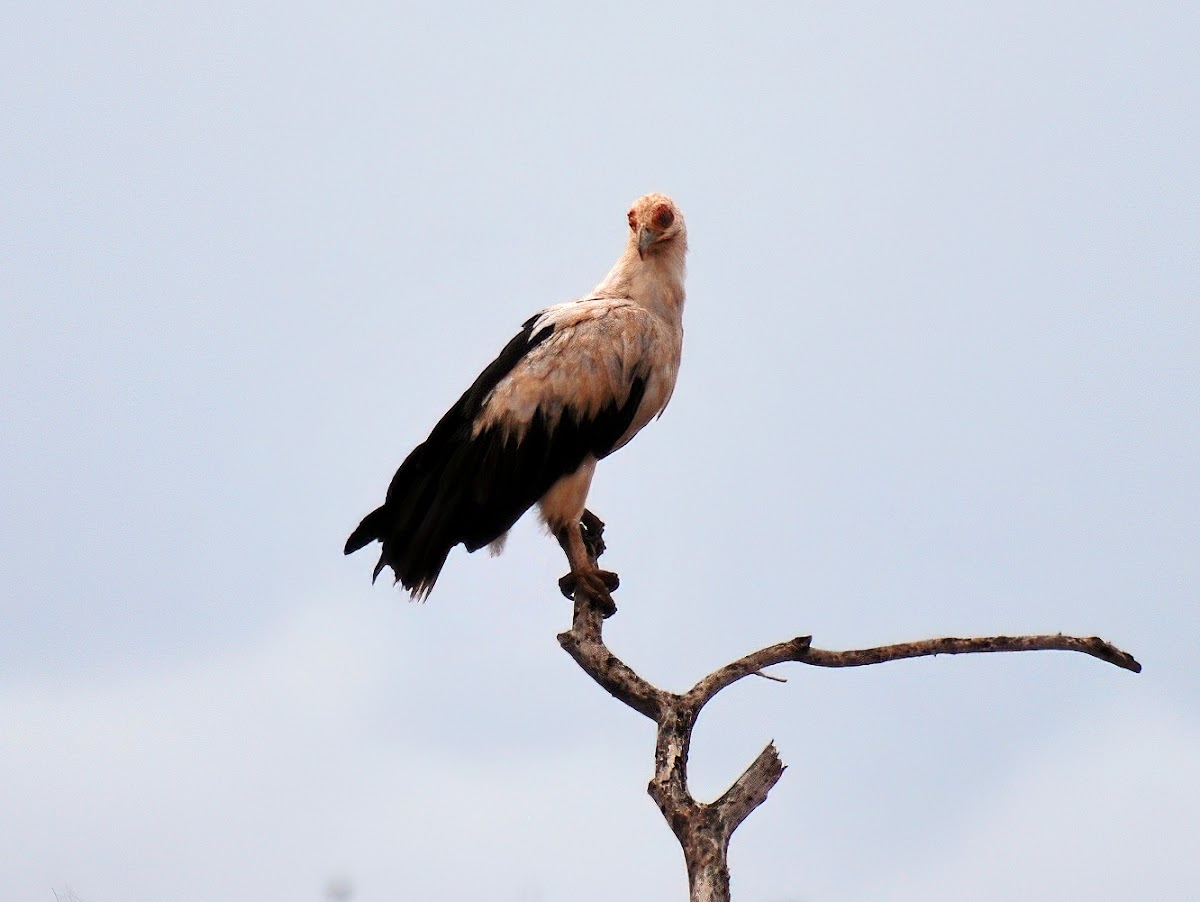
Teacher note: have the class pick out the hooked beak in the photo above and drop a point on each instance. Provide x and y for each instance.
(645, 239)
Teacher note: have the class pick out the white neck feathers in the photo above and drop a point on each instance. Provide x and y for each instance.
(654, 281)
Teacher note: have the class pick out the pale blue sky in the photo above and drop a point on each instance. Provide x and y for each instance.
(941, 376)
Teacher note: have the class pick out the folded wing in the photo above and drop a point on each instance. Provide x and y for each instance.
(577, 382)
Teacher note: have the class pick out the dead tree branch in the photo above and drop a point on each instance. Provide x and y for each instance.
(704, 829)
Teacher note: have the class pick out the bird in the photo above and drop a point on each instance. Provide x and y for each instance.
(574, 385)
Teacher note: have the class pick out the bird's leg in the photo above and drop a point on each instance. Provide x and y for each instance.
(598, 585)
(593, 534)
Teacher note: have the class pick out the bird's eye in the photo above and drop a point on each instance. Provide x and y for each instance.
(632, 220)
(663, 217)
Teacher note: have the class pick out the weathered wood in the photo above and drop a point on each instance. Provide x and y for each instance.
(704, 829)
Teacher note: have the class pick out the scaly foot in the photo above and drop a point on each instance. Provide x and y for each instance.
(596, 585)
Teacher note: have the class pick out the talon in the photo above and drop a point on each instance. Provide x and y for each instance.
(604, 603)
(596, 586)
(591, 522)
(592, 530)
(612, 581)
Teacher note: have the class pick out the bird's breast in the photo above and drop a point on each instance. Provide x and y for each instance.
(660, 384)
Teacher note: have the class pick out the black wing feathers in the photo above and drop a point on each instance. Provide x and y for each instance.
(458, 488)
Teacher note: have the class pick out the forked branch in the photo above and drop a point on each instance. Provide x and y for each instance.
(704, 829)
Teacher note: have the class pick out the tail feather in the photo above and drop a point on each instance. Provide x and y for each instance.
(453, 489)
(397, 525)
(463, 488)
(370, 529)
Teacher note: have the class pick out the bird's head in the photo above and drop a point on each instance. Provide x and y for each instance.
(655, 224)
